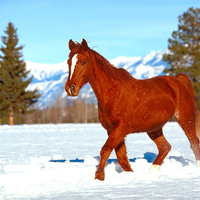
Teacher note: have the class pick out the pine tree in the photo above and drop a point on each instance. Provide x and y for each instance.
(2, 103)
(184, 49)
(14, 78)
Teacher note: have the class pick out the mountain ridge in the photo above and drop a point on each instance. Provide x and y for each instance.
(50, 78)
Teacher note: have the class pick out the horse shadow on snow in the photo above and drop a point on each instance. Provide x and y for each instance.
(149, 156)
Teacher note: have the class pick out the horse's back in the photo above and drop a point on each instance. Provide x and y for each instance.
(161, 98)
(179, 84)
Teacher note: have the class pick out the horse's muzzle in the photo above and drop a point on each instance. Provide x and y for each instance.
(71, 90)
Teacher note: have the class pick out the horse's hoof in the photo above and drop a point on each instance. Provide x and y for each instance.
(198, 163)
(128, 169)
(100, 175)
(154, 168)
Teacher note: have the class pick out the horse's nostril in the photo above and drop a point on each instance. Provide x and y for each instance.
(72, 88)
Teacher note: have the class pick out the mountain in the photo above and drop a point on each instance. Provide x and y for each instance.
(144, 67)
(50, 78)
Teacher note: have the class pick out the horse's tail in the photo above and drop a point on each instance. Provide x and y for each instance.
(197, 124)
(186, 80)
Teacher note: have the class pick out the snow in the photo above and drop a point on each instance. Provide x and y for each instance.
(124, 61)
(144, 67)
(46, 71)
(59, 162)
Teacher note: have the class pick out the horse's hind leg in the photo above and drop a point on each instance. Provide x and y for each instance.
(189, 128)
(163, 148)
(122, 158)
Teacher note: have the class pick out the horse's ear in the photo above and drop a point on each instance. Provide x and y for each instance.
(71, 44)
(84, 44)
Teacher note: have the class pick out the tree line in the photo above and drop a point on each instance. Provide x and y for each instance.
(61, 111)
(16, 102)
(64, 111)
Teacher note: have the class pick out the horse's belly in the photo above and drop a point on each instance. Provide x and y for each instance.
(148, 126)
(152, 115)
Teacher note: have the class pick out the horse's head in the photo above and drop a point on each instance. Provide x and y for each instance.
(79, 67)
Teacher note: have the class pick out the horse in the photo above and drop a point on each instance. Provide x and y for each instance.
(128, 105)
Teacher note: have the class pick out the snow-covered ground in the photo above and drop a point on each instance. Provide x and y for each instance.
(27, 173)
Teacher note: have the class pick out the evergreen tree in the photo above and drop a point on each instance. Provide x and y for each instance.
(14, 78)
(2, 103)
(184, 46)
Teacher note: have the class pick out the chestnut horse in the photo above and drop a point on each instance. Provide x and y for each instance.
(127, 105)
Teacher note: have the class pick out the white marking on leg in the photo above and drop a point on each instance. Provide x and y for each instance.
(74, 61)
(154, 168)
(198, 163)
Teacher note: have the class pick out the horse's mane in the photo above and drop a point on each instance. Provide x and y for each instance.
(117, 74)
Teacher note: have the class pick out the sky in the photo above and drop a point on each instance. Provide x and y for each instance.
(112, 27)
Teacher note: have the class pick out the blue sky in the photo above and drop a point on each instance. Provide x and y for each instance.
(112, 27)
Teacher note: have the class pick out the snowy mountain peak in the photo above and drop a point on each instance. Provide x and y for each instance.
(123, 61)
(43, 72)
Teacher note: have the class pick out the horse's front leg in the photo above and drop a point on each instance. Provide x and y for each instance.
(112, 142)
(121, 154)
(122, 158)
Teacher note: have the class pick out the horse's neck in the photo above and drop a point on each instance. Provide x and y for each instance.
(100, 82)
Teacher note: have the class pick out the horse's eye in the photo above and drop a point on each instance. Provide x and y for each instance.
(84, 62)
